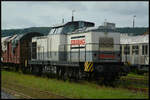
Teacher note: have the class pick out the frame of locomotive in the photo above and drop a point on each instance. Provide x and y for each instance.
(75, 69)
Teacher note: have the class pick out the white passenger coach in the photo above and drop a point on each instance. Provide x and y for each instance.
(135, 50)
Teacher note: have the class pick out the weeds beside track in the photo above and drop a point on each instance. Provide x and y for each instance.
(64, 89)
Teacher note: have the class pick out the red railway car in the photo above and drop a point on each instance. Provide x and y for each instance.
(16, 49)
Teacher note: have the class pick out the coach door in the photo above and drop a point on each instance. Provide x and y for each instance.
(33, 50)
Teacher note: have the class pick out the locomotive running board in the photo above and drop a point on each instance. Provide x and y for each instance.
(55, 63)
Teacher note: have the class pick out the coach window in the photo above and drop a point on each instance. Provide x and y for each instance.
(135, 50)
(33, 52)
(121, 49)
(144, 49)
(127, 49)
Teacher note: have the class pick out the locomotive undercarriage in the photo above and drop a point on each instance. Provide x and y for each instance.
(106, 72)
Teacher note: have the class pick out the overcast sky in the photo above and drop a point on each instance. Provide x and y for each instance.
(26, 14)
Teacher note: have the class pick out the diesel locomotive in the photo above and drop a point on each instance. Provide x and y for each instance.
(73, 50)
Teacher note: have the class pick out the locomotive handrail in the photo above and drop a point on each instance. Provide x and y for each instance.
(85, 50)
(79, 50)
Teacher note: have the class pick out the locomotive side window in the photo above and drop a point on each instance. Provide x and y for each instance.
(144, 49)
(81, 24)
(59, 30)
(56, 30)
(52, 31)
(69, 28)
(127, 50)
(135, 50)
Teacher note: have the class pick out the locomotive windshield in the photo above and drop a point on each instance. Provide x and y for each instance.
(70, 28)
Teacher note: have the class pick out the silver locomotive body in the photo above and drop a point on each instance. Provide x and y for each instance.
(80, 45)
(88, 45)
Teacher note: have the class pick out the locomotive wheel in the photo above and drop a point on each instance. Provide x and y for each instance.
(76, 73)
(99, 68)
(16, 68)
(72, 75)
(39, 71)
(90, 76)
(34, 70)
(59, 73)
(65, 76)
(23, 69)
(30, 69)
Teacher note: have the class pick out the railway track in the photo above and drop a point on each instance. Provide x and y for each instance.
(129, 87)
(136, 79)
(5, 95)
(144, 90)
(17, 91)
(143, 82)
(16, 94)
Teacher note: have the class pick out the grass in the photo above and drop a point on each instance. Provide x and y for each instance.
(67, 89)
